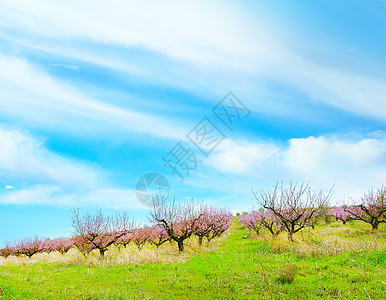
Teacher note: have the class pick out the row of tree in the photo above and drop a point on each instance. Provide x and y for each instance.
(371, 209)
(295, 207)
(171, 221)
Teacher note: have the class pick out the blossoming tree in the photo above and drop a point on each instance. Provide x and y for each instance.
(96, 231)
(294, 205)
(178, 219)
(371, 208)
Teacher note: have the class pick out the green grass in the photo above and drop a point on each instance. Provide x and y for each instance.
(238, 268)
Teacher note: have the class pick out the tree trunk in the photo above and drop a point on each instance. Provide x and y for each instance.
(200, 241)
(290, 236)
(102, 253)
(375, 225)
(180, 246)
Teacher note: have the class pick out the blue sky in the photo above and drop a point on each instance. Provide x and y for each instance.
(94, 94)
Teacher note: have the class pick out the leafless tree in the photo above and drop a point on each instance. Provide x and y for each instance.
(295, 205)
(178, 219)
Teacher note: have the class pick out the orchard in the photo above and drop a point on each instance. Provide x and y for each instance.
(289, 209)
(174, 222)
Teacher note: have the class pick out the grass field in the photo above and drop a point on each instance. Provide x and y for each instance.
(331, 262)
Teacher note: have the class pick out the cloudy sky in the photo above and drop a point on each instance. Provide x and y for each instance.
(95, 94)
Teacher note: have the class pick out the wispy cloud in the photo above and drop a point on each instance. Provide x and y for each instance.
(236, 40)
(118, 199)
(47, 101)
(169, 28)
(65, 66)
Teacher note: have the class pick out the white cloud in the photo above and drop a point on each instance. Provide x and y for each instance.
(47, 178)
(239, 157)
(120, 199)
(306, 154)
(36, 195)
(25, 158)
(353, 164)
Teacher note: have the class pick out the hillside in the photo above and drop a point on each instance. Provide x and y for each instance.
(332, 262)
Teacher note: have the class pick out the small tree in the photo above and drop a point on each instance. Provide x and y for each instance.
(83, 245)
(49, 246)
(252, 221)
(6, 251)
(271, 222)
(178, 219)
(140, 236)
(255, 220)
(31, 246)
(98, 230)
(62, 245)
(372, 208)
(220, 222)
(158, 236)
(339, 213)
(212, 223)
(125, 239)
(294, 205)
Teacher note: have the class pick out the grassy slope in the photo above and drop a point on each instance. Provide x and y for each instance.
(239, 269)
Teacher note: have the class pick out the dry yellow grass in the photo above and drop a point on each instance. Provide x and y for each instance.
(167, 253)
(326, 241)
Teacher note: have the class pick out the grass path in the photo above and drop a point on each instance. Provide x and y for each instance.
(239, 269)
